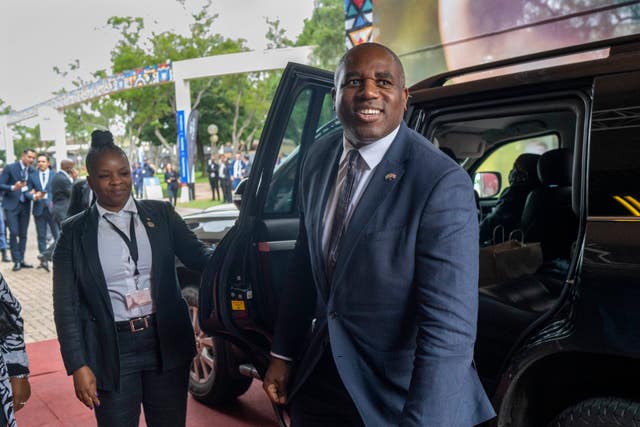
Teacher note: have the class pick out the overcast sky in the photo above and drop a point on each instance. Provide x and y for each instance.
(36, 35)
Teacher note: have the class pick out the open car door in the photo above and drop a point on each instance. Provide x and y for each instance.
(241, 286)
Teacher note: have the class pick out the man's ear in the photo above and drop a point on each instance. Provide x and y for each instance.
(405, 94)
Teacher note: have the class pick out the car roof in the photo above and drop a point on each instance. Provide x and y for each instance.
(620, 55)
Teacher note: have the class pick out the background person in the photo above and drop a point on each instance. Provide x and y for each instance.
(172, 178)
(237, 168)
(523, 178)
(39, 183)
(61, 190)
(81, 197)
(124, 330)
(17, 206)
(388, 268)
(214, 180)
(225, 178)
(137, 179)
(14, 365)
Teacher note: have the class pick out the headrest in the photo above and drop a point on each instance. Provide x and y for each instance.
(554, 167)
(528, 163)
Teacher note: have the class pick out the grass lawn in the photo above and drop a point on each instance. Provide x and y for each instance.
(199, 204)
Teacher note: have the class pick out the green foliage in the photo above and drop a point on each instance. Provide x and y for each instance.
(237, 104)
(325, 31)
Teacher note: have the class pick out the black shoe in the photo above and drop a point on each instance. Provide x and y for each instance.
(44, 264)
(17, 266)
(25, 265)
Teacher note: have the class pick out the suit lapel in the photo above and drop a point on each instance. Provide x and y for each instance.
(156, 239)
(324, 181)
(89, 242)
(383, 180)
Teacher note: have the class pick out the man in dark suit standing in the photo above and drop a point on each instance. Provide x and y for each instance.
(39, 183)
(387, 263)
(17, 205)
(212, 171)
(61, 190)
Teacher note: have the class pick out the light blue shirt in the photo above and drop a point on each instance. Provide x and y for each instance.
(116, 262)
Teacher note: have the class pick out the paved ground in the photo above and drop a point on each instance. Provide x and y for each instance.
(53, 402)
(33, 287)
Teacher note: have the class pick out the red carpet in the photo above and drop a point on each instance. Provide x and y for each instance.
(53, 402)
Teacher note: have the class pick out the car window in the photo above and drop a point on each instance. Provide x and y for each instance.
(501, 161)
(281, 196)
(614, 169)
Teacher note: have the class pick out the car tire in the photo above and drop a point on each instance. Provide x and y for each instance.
(214, 378)
(600, 412)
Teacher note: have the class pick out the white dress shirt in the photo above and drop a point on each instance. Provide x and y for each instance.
(116, 262)
(43, 180)
(372, 155)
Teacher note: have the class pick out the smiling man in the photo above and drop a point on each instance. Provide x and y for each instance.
(386, 262)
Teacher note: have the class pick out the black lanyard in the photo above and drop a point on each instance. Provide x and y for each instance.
(131, 244)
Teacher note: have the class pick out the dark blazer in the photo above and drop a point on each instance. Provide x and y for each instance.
(82, 308)
(60, 195)
(11, 174)
(42, 205)
(401, 314)
(80, 197)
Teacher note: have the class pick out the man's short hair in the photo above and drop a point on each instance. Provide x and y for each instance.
(44, 154)
(344, 57)
(28, 150)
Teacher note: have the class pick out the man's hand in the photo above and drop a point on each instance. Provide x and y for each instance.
(21, 392)
(276, 380)
(84, 383)
(19, 184)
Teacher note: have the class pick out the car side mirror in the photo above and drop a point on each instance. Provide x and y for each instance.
(237, 194)
(487, 184)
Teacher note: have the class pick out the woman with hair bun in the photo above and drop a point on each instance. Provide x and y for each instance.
(124, 330)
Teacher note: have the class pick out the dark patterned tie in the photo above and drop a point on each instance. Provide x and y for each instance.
(355, 167)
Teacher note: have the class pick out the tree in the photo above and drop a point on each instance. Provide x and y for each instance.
(325, 31)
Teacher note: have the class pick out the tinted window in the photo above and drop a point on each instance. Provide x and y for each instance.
(281, 196)
(614, 175)
(501, 161)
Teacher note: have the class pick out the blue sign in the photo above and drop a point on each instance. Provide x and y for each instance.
(182, 147)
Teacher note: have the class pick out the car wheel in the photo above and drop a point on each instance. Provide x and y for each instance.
(214, 378)
(600, 412)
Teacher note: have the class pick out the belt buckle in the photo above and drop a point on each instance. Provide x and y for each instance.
(142, 328)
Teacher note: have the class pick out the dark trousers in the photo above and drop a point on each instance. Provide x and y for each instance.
(42, 221)
(323, 400)
(215, 188)
(172, 193)
(163, 395)
(18, 221)
(226, 190)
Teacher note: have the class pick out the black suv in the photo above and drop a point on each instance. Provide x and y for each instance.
(558, 347)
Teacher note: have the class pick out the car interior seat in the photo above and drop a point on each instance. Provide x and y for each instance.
(548, 215)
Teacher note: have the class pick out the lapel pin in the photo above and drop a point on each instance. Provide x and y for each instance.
(150, 223)
(390, 176)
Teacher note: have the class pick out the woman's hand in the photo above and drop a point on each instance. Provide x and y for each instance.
(84, 382)
(21, 392)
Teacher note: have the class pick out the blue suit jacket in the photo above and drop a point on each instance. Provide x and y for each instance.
(401, 309)
(11, 174)
(39, 206)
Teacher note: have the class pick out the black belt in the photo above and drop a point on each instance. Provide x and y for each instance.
(136, 324)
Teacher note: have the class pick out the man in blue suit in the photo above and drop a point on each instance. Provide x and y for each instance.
(39, 184)
(17, 206)
(387, 263)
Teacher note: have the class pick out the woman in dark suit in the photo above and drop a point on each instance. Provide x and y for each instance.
(124, 330)
(172, 178)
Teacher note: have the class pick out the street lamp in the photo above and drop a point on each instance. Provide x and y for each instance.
(212, 129)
